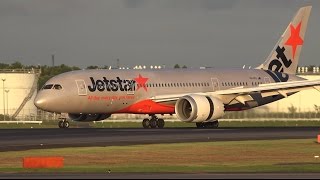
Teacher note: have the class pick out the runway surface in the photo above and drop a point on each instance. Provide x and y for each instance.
(24, 139)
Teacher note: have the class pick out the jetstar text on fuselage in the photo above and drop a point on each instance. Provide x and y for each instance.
(117, 84)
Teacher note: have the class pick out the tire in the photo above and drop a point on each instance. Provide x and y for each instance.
(60, 124)
(216, 124)
(66, 124)
(209, 125)
(146, 123)
(153, 123)
(160, 123)
(200, 125)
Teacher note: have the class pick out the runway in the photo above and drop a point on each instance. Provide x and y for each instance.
(24, 139)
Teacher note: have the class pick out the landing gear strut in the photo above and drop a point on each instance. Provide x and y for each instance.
(63, 123)
(208, 125)
(153, 122)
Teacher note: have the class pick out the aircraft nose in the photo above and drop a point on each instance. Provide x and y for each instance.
(40, 102)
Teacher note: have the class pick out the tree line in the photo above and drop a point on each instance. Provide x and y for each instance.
(48, 72)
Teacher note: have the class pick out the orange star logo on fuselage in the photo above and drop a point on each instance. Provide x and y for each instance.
(141, 82)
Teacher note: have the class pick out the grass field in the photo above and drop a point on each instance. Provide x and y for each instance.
(175, 124)
(233, 156)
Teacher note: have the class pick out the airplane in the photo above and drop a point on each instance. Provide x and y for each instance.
(200, 96)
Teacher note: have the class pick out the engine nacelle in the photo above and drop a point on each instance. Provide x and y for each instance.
(88, 117)
(199, 108)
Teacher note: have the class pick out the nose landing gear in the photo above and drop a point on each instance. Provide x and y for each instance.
(63, 123)
(153, 122)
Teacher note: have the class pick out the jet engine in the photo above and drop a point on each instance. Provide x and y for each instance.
(199, 108)
(88, 117)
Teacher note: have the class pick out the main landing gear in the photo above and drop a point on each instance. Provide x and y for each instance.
(63, 123)
(208, 125)
(153, 122)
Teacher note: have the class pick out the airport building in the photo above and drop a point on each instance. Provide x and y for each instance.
(17, 92)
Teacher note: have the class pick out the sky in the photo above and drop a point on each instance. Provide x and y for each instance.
(195, 33)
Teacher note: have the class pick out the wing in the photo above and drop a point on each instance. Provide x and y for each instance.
(243, 94)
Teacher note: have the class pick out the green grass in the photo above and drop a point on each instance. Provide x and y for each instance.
(175, 124)
(233, 156)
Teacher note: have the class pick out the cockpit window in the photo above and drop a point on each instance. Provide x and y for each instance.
(48, 86)
(57, 86)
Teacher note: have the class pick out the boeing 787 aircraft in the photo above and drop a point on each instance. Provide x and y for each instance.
(200, 96)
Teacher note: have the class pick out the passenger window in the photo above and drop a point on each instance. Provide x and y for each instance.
(48, 86)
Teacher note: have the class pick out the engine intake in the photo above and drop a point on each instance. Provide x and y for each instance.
(88, 117)
(199, 108)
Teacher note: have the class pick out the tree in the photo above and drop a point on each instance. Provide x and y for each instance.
(92, 67)
(316, 108)
(184, 66)
(105, 67)
(16, 65)
(176, 66)
(292, 109)
(310, 68)
(4, 66)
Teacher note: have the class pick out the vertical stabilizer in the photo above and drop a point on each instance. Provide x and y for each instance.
(285, 55)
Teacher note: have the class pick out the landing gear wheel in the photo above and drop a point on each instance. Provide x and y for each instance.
(66, 124)
(209, 125)
(153, 123)
(200, 125)
(216, 124)
(146, 123)
(160, 123)
(60, 124)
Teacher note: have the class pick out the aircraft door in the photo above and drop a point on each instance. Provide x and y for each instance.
(82, 90)
(215, 84)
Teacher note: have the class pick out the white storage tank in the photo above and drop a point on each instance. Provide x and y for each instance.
(18, 88)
